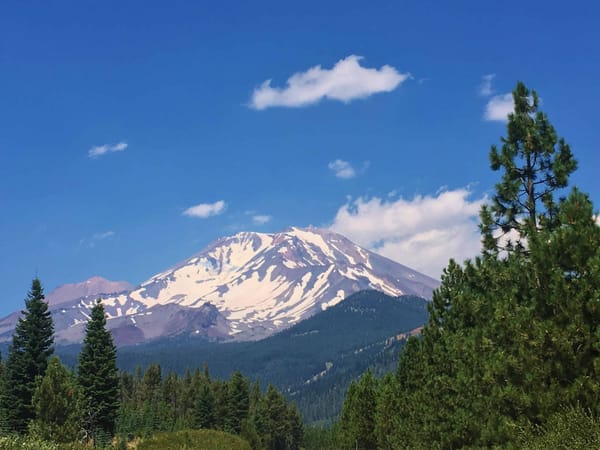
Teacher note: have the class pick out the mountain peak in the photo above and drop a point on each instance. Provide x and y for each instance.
(95, 285)
(241, 287)
(269, 281)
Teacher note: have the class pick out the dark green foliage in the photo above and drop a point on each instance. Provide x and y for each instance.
(512, 338)
(98, 377)
(509, 341)
(152, 404)
(322, 438)
(295, 433)
(388, 411)
(329, 356)
(367, 334)
(238, 402)
(357, 421)
(535, 163)
(272, 422)
(32, 345)
(205, 408)
(56, 402)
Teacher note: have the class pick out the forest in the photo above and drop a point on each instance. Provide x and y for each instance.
(43, 403)
(509, 356)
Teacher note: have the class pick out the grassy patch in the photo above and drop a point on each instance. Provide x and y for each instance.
(194, 440)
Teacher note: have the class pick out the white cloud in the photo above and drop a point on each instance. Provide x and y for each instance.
(598, 220)
(94, 152)
(204, 210)
(422, 233)
(499, 107)
(485, 88)
(103, 235)
(261, 219)
(347, 80)
(90, 242)
(342, 169)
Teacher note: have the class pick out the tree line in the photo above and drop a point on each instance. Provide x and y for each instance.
(511, 350)
(152, 402)
(41, 398)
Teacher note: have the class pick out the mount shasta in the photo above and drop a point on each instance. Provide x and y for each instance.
(244, 287)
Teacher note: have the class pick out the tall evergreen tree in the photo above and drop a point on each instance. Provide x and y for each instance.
(358, 413)
(204, 416)
(510, 341)
(270, 420)
(535, 163)
(98, 376)
(295, 435)
(238, 402)
(32, 345)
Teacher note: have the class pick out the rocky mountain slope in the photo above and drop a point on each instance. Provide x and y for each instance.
(243, 287)
(93, 286)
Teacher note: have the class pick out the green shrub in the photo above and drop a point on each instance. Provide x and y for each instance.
(26, 443)
(571, 429)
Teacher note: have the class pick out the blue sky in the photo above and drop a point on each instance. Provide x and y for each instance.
(134, 133)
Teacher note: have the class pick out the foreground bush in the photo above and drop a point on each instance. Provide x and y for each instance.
(22, 443)
(194, 440)
(573, 429)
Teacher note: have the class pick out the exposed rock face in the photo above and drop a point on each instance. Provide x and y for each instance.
(243, 287)
(93, 286)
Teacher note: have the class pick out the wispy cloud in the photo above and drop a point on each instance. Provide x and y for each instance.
(347, 80)
(499, 107)
(485, 88)
(204, 210)
(342, 169)
(261, 219)
(103, 235)
(90, 242)
(423, 232)
(100, 150)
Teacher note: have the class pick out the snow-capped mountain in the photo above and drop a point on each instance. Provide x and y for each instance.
(93, 286)
(244, 287)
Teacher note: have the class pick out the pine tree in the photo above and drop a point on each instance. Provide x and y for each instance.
(238, 402)
(509, 341)
(295, 434)
(270, 420)
(387, 412)
(535, 164)
(32, 345)
(205, 408)
(151, 384)
(358, 413)
(98, 376)
(172, 390)
(56, 403)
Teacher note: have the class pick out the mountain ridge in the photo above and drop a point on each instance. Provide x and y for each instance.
(92, 286)
(242, 287)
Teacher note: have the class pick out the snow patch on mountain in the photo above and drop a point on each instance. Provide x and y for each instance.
(244, 287)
